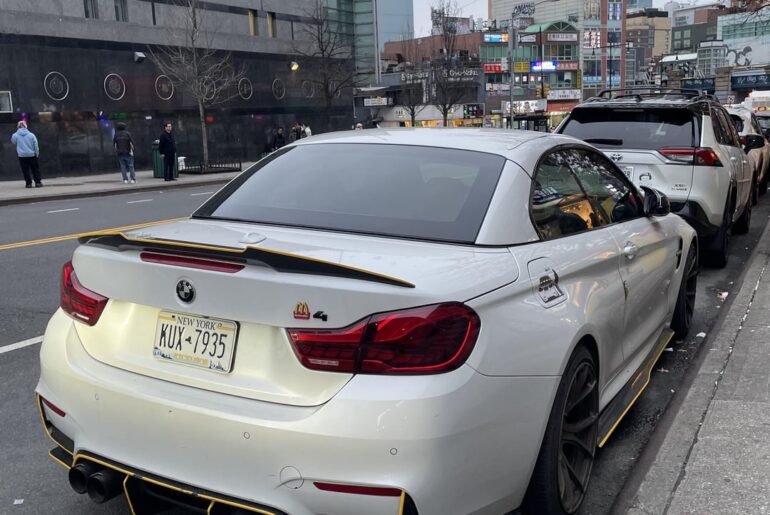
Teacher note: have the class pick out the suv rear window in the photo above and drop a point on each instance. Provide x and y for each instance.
(393, 190)
(648, 129)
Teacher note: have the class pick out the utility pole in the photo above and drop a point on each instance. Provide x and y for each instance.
(511, 58)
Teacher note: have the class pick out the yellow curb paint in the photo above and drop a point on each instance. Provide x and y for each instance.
(56, 239)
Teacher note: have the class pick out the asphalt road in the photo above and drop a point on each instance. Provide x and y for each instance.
(32, 483)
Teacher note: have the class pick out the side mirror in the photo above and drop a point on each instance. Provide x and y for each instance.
(754, 141)
(655, 202)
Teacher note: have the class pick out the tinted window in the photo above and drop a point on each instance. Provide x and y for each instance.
(730, 134)
(719, 131)
(393, 190)
(649, 129)
(559, 205)
(764, 121)
(609, 191)
(737, 121)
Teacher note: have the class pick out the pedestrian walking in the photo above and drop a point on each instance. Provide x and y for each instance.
(28, 151)
(279, 140)
(306, 132)
(124, 148)
(167, 150)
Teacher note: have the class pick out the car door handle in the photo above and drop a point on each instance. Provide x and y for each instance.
(630, 250)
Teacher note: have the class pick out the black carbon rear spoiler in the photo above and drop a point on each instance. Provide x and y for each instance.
(277, 260)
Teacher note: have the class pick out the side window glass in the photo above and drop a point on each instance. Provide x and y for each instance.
(606, 188)
(719, 132)
(559, 205)
(755, 125)
(731, 135)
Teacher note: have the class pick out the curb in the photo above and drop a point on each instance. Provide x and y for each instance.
(661, 481)
(104, 193)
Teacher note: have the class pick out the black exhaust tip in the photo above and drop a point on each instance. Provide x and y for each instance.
(104, 485)
(78, 475)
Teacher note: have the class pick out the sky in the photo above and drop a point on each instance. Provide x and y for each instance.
(477, 8)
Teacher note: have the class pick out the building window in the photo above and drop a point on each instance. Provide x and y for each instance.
(615, 10)
(253, 25)
(91, 9)
(686, 33)
(121, 10)
(271, 32)
(6, 105)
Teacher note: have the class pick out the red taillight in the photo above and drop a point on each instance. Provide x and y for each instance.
(692, 156)
(53, 407)
(424, 340)
(743, 140)
(380, 491)
(78, 301)
(191, 262)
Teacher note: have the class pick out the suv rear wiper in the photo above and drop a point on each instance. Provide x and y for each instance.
(604, 141)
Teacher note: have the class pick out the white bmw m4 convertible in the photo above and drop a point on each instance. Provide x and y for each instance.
(373, 322)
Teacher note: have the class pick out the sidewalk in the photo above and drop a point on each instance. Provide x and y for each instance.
(57, 188)
(715, 458)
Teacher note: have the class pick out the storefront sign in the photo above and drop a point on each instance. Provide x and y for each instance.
(496, 38)
(562, 36)
(526, 106)
(413, 77)
(567, 65)
(521, 67)
(564, 94)
(378, 101)
(462, 74)
(750, 81)
(493, 68)
(529, 38)
(700, 84)
(544, 66)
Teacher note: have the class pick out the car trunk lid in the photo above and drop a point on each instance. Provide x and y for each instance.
(289, 278)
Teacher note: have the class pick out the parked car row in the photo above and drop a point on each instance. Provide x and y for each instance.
(710, 162)
(403, 321)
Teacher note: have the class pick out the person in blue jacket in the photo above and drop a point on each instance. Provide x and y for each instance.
(28, 151)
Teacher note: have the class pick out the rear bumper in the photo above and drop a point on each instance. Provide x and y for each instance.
(694, 215)
(458, 442)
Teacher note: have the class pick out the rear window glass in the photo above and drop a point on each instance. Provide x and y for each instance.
(764, 121)
(392, 190)
(648, 129)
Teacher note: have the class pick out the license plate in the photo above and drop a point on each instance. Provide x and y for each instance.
(629, 171)
(196, 341)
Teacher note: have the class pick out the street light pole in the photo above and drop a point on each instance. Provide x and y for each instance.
(512, 37)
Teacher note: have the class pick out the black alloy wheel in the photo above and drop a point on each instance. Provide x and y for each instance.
(685, 301)
(560, 479)
(717, 253)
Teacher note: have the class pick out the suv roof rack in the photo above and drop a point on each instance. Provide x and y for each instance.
(639, 93)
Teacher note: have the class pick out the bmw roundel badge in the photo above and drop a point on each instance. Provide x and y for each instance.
(185, 291)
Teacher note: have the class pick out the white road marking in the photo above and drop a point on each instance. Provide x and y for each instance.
(63, 210)
(138, 201)
(204, 193)
(20, 345)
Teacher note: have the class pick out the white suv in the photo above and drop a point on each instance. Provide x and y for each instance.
(746, 123)
(681, 143)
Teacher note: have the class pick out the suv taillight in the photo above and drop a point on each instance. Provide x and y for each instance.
(78, 301)
(424, 340)
(702, 156)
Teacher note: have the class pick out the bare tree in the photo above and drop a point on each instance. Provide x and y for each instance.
(413, 79)
(195, 66)
(451, 80)
(326, 54)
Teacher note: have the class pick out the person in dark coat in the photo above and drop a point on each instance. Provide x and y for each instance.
(124, 148)
(279, 140)
(167, 150)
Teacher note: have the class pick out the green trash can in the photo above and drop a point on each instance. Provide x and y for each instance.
(157, 162)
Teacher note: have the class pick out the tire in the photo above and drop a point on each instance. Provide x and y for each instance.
(754, 192)
(763, 183)
(718, 250)
(685, 299)
(563, 467)
(742, 224)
